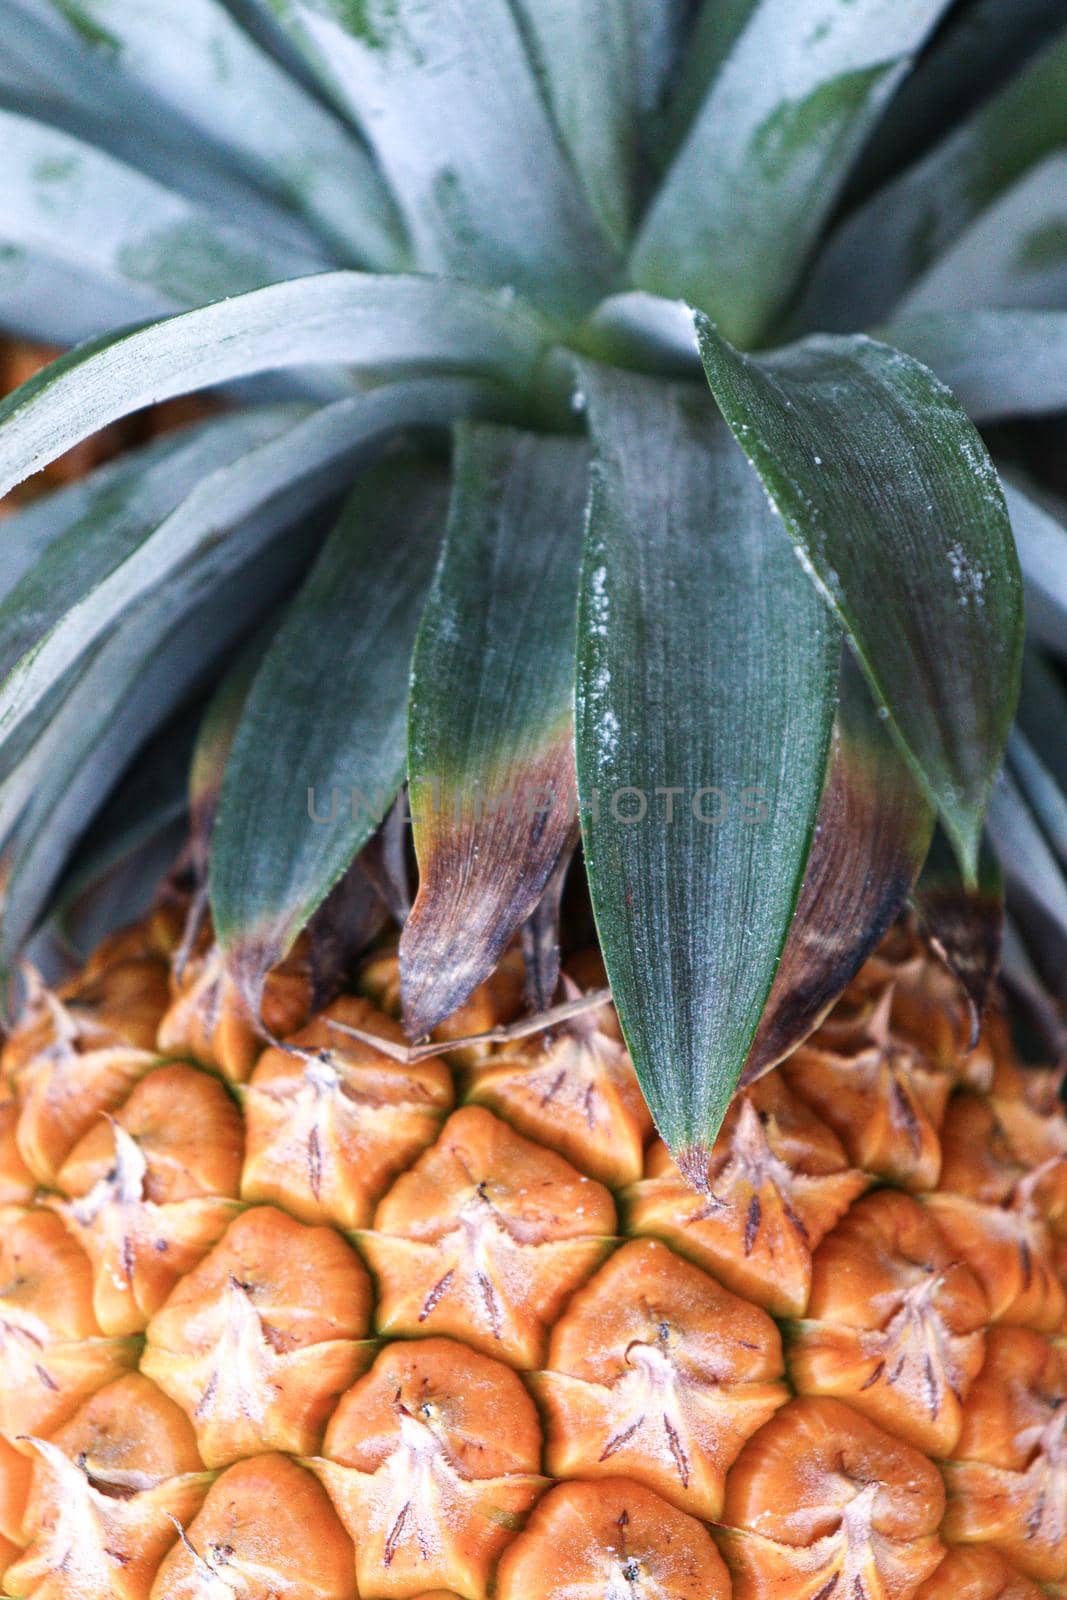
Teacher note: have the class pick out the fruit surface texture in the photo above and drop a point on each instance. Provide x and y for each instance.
(303, 1320)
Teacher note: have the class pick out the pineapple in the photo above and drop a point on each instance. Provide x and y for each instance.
(569, 436)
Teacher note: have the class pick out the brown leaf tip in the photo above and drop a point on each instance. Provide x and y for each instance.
(692, 1161)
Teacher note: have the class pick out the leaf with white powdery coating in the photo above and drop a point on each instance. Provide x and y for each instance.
(195, 60)
(897, 514)
(587, 61)
(151, 249)
(447, 97)
(271, 481)
(997, 363)
(873, 830)
(889, 245)
(330, 703)
(786, 112)
(491, 748)
(680, 707)
(391, 324)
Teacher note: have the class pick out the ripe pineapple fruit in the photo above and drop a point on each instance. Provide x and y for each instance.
(306, 1319)
(540, 340)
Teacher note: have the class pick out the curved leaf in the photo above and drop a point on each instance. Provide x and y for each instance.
(31, 530)
(1042, 545)
(129, 688)
(491, 745)
(1043, 793)
(391, 324)
(897, 514)
(113, 526)
(1012, 257)
(979, 48)
(997, 363)
(447, 98)
(146, 249)
(142, 825)
(893, 241)
(795, 93)
(195, 59)
(330, 700)
(273, 480)
(872, 833)
(1029, 865)
(701, 743)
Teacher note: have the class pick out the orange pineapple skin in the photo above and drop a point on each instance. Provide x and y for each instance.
(301, 1320)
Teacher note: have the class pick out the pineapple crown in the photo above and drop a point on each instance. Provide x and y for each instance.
(597, 450)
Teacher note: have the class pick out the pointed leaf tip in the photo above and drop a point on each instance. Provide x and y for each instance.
(701, 746)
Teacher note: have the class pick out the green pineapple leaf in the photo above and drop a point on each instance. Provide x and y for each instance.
(133, 248)
(216, 733)
(280, 467)
(896, 511)
(1031, 870)
(491, 744)
(112, 703)
(797, 85)
(904, 250)
(872, 833)
(1041, 541)
(450, 104)
(132, 842)
(387, 323)
(978, 48)
(197, 61)
(707, 673)
(997, 363)
(330, 705)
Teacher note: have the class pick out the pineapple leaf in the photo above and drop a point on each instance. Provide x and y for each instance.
(964, 926)
(1041, 541)
(131, 843)
(389, 324)
(795, 91)
(586, 60)
(211, 752)
(135, 249)
(1031, 870)
(330, 701)
(871, 836)
(979, 48)
(128, 688)
(880, 260)
(491, 733)
(279, 470)
(32, 529)
(115, 522)
(897, 514)
(701, 742)
(448, 100)
(1043, 713)
(997, 363)
(197, 61)
(1013, 256)
(1043, 793)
